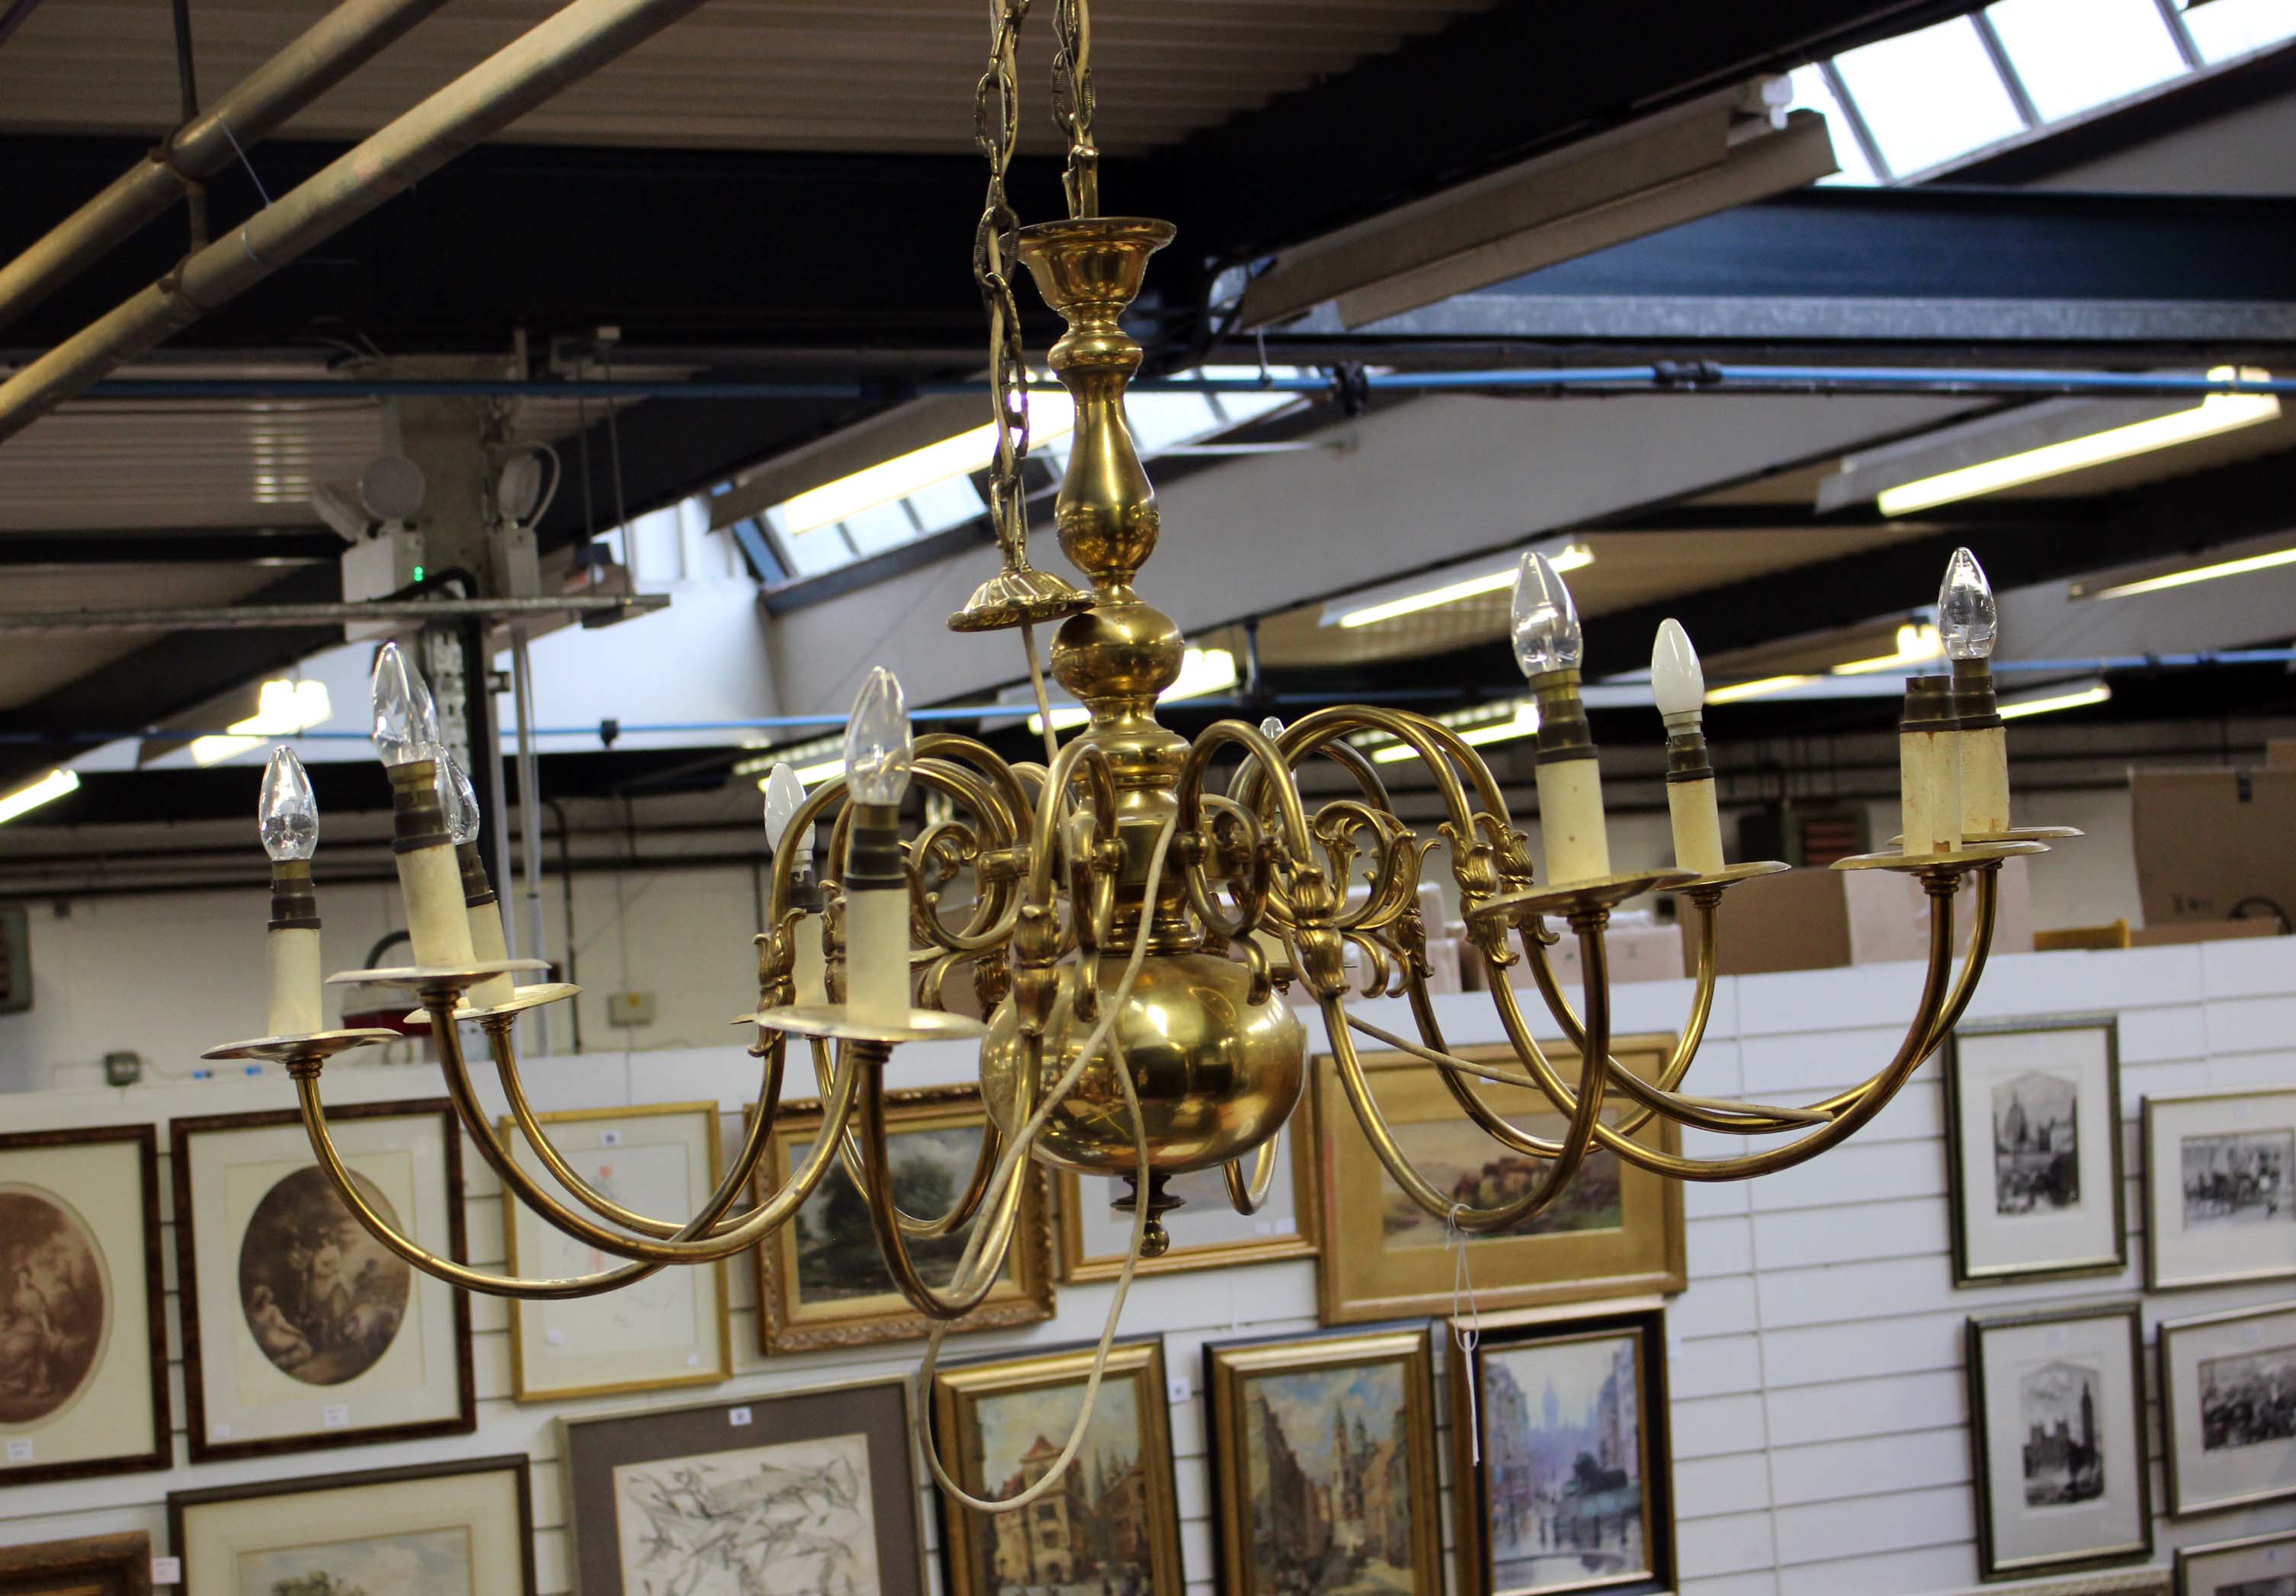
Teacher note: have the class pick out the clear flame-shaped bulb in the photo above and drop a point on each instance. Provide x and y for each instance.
(1546, 636)
(784, 796)
(287, 817)
(1272, 727)
(1677, 680)
(1967, 617)
(406, 720)
(878, 752)
(458, 799)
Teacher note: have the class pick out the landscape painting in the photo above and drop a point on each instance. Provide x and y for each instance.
(2035, 1144)
(418, 1563)
(1091, 1536)
(2238, 1179)
(1458, 1157)
(55, 1309)
(837, 1256)
(2248, 1399)
(1564, 1459)
(323, 1298)
(1327, 1452)
(2062, 1461)
(790, 1519)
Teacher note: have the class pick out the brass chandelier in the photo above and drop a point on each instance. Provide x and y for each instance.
(1131, 921)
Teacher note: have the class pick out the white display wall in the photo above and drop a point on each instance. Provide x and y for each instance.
(1819, 1410)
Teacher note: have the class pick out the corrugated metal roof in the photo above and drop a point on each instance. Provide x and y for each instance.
(892, 75)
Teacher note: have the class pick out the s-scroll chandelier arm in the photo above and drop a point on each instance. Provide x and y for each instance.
(855, 1161)
(1248, 1195)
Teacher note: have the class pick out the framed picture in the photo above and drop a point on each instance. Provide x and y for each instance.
(811, 1490)
(1112, 1523)
(299, 1329)
(97, 1565)
(1207, 1231)
(671, 1329)
(2252, 1566)
(2059, 1424)
(1573, 1489)
(821, 1280)
(2220, 1207)
(1617, 1231)
(447, 1529)
(1324, 1469)
(2228, 1404)
(83, 1331)
(2032, 1115)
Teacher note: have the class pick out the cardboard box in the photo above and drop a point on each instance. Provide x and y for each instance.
(2204, 930)
(1822, 919)
(2210, 841)
(1639, 950)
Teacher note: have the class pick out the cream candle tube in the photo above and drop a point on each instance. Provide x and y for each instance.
(810, 971)
(1697, 818)
(1928, 769)
(877, 957)
(429, 874)
(488, 944)
(1571, 820)
(1984, 780)
(296, 1008)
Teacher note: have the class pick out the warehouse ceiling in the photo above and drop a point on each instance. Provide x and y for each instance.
(777, 188)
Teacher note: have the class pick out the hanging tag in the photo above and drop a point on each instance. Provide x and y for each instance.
(1466, 1323)
(167, 1571)
(1177, 1390)
(19, 1452)
(610, 1137)
(737, 1417)
(335, 1415)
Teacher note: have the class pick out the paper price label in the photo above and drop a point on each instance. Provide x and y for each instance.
(219, 1432)
(19, 1452)
(737, 1417)
(1176, 1388)
(556, 1337)
(610, 1137)
(335, 1415)
(167, 1571)
(693, 1360)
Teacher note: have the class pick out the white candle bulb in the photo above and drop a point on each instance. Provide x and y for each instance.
(878, 752)
(1545, 625)
(1968, 618)
(1677, 678)
(406, 720)
(288, 815)
(1271, 728)
(458, 799)
(784, 796)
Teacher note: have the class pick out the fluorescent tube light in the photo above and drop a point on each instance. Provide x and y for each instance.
(1570, 557)
(282, 708)
(54, 785)
(1738, 690)
(1051, 415)
(1916, 645)
(820, 771)
(2215, 415)
(2073, 696)
(2199, 573)
(1203, 672)
(1523, 723)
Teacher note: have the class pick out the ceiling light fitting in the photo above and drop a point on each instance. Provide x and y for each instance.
(2245, 565)
(2048, 700)
(1388, 603)
(29, 796)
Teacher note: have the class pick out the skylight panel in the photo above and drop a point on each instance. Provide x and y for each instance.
(2224, 28)
(2073, 55)
(880, 527)
(1931, 95)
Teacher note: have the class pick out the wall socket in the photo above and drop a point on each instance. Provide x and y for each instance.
(629, 1008)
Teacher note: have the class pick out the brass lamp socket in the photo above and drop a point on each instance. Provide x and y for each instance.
(1685, 753)
(294, 900)
(1974, 705)
(872, 850)
(477, 890)
(805, 891)
(1564, 733)
(1931, 705)
(417, 819)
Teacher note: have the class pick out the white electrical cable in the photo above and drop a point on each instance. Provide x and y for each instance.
(1044, 699)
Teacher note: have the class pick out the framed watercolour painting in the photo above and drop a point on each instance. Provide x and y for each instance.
(83, 1332)
(1324, 1468)
(2220, 1207)
(1207, 1231)
(447, 1529)
(672, 1328)
(2252, 1566)
(821, 1280)
(1616, 1231)
(95, 1566)
(2032, 1117)
(299, 1329)
(2057, 1413)
(781, 1495)
(2228, 1406)
(1561, 1463)
(1111, 1524)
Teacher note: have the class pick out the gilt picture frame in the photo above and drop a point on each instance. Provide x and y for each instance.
(1618, 1231)
(675, 1328)
(117, 1565)
(2057, 1426)
(810, 1489)
(83, 1387)
(461, 1528)
(301, 1330)
(822, 1281)
(2228, 1409)
(2219, 1188)
(2033, 1149)
(1323, 1462)
(1207, 1232)
(1001, 1423)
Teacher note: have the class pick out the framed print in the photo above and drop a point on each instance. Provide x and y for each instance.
(1113, 1524)
(2228, 1404)
(804, 1491)
(1207, 1231)
(299, 1329)
(1616, 1231)
(449, 1529)
(1324, 1469)
(96, 1566)
(83, 1331)
(671, 1329)
(2032, 1115)
(2219, 1205)
(2252, 1566)
(821, 1280)
(2058, 1418)
(1574, 1487)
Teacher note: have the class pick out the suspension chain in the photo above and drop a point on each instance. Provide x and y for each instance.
(1073, 105)
(996, 128)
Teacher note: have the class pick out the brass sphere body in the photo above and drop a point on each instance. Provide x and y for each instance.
(1216, 1074)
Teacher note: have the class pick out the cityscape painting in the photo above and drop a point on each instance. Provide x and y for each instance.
(2062, 1462)
(1562, 1446)
(2036, 1143)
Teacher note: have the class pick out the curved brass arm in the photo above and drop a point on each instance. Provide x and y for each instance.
(1249, 1197)
(968, 1203)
